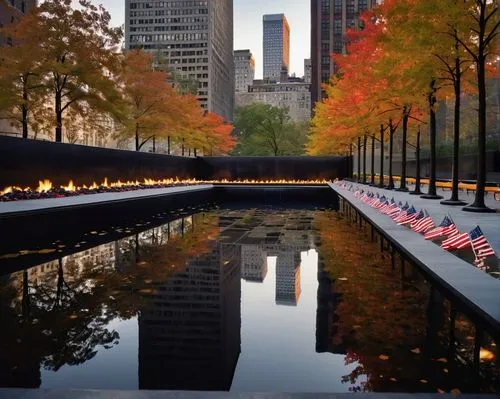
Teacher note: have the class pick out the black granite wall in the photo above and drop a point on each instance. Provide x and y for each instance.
(24, 162)
(300, 168)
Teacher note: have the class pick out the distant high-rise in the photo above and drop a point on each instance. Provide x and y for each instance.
(276, 46)
(244, 70)
(10, 10)
(195, 38)
(307, 70)
(329, 21)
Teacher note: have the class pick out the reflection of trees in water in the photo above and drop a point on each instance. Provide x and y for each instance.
(382, 323)
(60, 316)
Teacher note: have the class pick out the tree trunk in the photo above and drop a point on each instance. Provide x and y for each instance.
(58, 117)
(390, 186)
(381, 173)
(417, 172)
(182, 147)
(406, 115)
(194, 152)
(454, 200)
(364, 158)
(24, 110)
(431, 193)
(351, 159)
(359, 160)
(372, 182)
(168, 145)
(154, 143)
(479, 205)
(137, 145)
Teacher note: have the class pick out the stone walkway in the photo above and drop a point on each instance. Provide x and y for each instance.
(465, 221)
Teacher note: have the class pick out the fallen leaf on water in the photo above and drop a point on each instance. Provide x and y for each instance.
(393, 379)
(442, 360)
(416, 351)
(61, 246)
(342, 279)
(24, 252)
(356, 327)
(424, 381)
(46, 251)
(72, 316)
(226, 262)
(383, 357)
(440, 390)
(455, 391)
(93, 232)
(381, 376)
(141, 263)
(470, 338)
(445, 370)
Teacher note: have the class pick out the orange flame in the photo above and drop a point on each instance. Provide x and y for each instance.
(46, 185)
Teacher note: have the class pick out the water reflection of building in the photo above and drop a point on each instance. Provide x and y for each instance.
(189, 330)
(288, 278)
(253, 263)
(325, 315)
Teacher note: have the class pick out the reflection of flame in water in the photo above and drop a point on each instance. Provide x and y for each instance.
(46, 185)
(486, 355)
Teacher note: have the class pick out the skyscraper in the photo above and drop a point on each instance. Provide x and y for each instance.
(244, 70)
(276, 46)
(195, 38)
(329, 21)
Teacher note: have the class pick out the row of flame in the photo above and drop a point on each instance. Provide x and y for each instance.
(46, 185)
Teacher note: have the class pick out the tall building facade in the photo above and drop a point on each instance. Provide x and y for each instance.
(10, 10)
(195, 38)
(276, 46)
(329, 21)
(244, 70)
(295, 96)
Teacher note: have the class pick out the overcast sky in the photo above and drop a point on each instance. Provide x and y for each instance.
(248, 26)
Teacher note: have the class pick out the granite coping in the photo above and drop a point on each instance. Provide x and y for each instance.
(27, 207)
(474, 288)
(13, 393)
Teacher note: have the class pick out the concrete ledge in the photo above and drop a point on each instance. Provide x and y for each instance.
(31, 207)
(475, 290)
(103, 394)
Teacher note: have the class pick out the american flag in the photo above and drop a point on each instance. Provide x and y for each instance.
(388, 206)
(411, 214)
(457, 241)
(380, 203)
(482, 249)
(424, 225)
(402, 213)
(410, 217)
(418, 218)
(445, 228)
(395, 211)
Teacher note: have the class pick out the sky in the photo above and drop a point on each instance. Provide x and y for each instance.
(248, 27)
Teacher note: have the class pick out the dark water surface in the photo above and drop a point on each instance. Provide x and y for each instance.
(283, 300)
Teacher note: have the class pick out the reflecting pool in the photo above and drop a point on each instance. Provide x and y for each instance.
(255, 299)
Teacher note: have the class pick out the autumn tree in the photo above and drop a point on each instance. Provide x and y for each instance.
(479, 38)
(22, 92)
(147, 98)
(80, 57)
